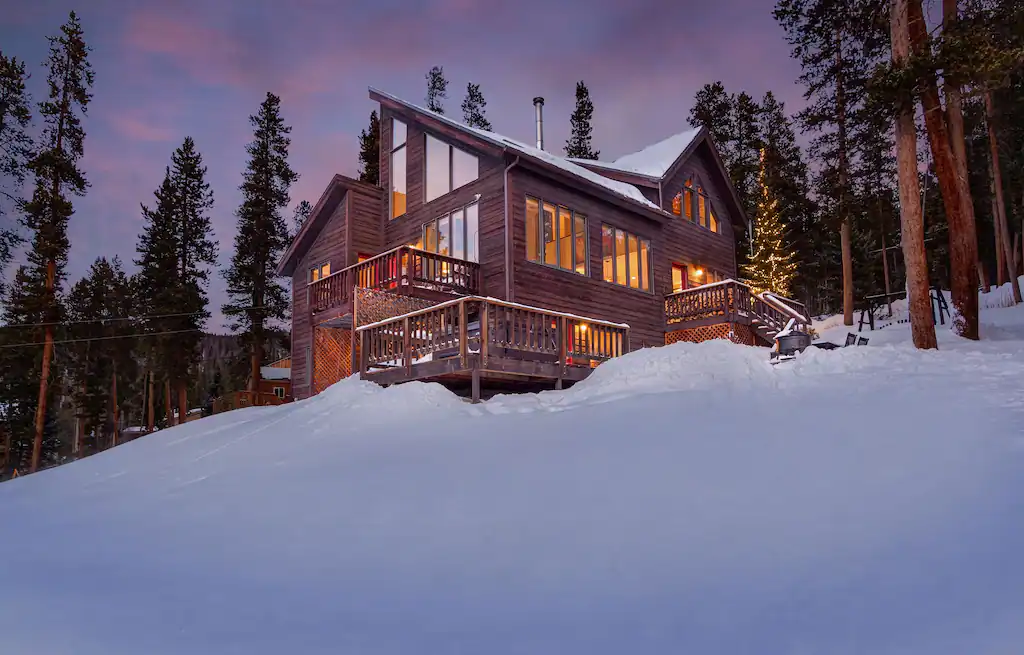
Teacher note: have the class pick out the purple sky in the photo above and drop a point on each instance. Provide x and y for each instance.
(170, 68)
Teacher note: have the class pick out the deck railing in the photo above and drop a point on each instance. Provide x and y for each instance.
(400, 270)
(730, 302)
(489, 328)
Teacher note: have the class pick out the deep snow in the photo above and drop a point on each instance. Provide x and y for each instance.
(687, 499)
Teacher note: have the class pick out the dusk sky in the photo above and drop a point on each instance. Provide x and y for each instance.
(170, 68)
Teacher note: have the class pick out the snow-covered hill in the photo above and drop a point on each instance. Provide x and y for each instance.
(687, 499)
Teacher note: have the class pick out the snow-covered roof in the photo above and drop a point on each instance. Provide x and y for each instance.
(275, 373)
(654, 160)
(620, 188)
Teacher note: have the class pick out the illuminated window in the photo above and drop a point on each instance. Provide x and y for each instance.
(677, 204)
(279, 392)
(455, 235)
(712, 220)
(678, 277)
(688, 198)
(625, 258)
(556, 236)
(698, 275)
(702, 208)
(320, 271)
(448, 168)
(398, 168)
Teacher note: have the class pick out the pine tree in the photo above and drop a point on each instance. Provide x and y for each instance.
(302, 212)
(15, 150)
(369, 151)
(474, 108)
(580, 142)
(256, 296)
(437, 89)
(176, 250)
(713, 108)
(56, 173)
(837, 43)
(772, 266)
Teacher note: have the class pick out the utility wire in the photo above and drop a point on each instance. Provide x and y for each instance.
(114, 319)
(84, 339)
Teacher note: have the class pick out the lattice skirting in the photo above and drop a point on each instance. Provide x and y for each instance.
(735, 332)
(332, 356)
(374, 305)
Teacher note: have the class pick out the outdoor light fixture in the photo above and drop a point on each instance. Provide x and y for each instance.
(699, 272)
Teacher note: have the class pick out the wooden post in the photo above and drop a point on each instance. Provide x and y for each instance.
(363, 352)
(476, 384)
(485, 331)
(407, 346)
(463, 335)
(151, 414)
(167, 401)
(44, 380)
(560, 338)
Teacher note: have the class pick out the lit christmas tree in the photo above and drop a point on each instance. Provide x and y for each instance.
(771, 265)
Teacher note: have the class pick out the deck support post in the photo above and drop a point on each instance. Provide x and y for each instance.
(558, 384)
(476, 384)
(407, 346)
(485, 331)
(560, 335)
(463, 335)
(364, 352)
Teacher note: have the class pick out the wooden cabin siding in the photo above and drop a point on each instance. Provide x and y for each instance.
(540, 285)
(365, 227)
(407, 229)
(687, 242)
(329, 245)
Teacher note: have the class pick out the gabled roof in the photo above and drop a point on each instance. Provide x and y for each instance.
(626, 191)
(655, 160)
(318, 218)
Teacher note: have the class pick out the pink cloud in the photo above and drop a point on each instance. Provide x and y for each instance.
(136, 127)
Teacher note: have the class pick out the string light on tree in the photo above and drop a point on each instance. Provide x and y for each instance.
(771, 265)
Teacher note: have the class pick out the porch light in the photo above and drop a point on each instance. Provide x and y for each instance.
(699, 273)
(583, 327)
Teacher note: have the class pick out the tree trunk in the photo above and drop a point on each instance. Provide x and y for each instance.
(150, 413)
(182, 401)
(963, 240)
(922, 323)
(1017, 253)
(167, 400)
(1003, 228)
(986, 287)
(44, 380)
(114, 434)
(844, 230)
(1000, 268)
(254, 367)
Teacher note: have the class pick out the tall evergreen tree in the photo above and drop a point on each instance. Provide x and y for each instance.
(176, 251)
(302, 212)
(837, 42)
(437, 89)
(713, 108)
(474, 108)
(57, 177)
(369, 151)
(256, 296)
(580, 142)
(772, 263)
(15, 151)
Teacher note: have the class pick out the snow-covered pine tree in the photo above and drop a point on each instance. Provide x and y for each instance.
(369, 151)
(57, 177)
(771, 266)
(256, 296)
(302, 212)
(15, 151)
(437, 89)
(474, 108)
(580, 142)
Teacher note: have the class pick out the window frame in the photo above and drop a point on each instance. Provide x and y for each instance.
(451, 167)
(684, 278)
(392, 150)
(647, 288)
(436, 221)
(690, 211)
(319, 268)
(570, 266)
(279, 395)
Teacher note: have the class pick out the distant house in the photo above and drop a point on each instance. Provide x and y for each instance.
(274, 388)
(480, 259)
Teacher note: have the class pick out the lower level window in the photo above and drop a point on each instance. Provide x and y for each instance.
(320, 271)
(454, 235)
(279, 392)
(556, 236)
(626, 258)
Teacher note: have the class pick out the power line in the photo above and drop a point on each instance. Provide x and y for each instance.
(115, 319)
(85, 339)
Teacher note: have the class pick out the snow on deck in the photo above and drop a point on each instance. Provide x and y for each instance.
(685, 499)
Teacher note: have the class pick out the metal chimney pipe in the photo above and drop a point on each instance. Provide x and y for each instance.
(538, 104)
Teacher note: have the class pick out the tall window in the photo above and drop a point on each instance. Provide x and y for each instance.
(448, 168)
(678, 277)
(556, 236)
(454, 235)
(688, 198)
(398, 168)
(626, 258)
(695, 204)
(320, 271)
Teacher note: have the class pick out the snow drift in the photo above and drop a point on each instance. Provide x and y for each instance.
(683, 499)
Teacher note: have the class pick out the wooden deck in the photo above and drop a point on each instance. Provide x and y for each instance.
(404, 270)
(732, 302)
(473, 340)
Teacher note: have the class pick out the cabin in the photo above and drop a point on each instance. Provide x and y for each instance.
(485, 263)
